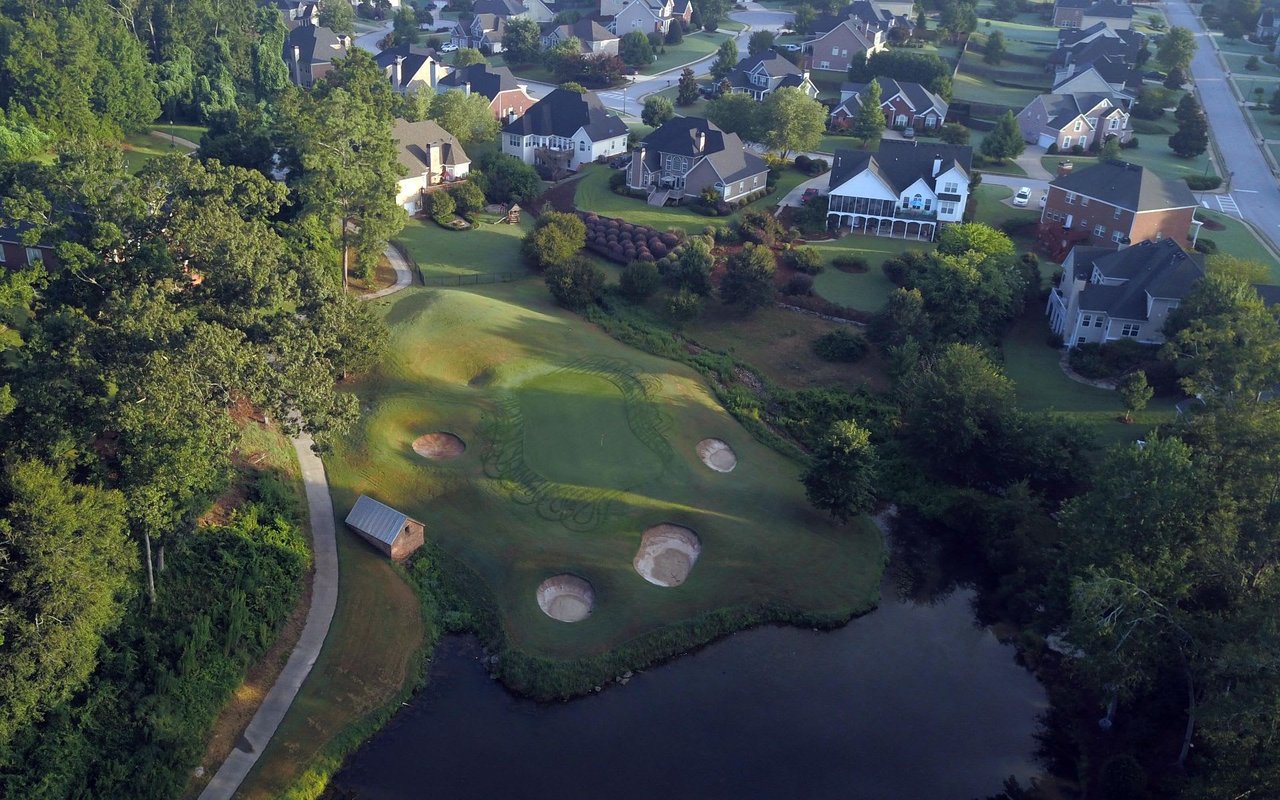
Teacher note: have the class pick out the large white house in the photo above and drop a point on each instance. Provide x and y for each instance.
(563, 131)
(431, 157)
(906, 189)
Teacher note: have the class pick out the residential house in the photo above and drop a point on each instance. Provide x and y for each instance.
(688, 155)
(536, 10)
(394, 533)
(563, 131)
(765, 72)
(1268, 26)
(905, 189)
(410, 67)
(508, 99)
(431, 156)
(1107, 295)
(309, 52)
(905, 105)
(1114, 204)
(646, 16)
(594, 37)
(296, 13)
(1087, 13)
(14, 252)
(849, 42)
(1114, 54)
(1065, 121)
(1103, 78)
(868, 14)
(484, 33)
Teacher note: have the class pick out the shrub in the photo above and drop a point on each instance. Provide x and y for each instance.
(840, 344)
(1132, 144)
(850, 263)
(639, 280)
(442, 207)
(618, 180)
(806, 260)
(556, 239)
(468, 198)
(1206, 245)
(576, 283)
(1202, 183)
(798, 285)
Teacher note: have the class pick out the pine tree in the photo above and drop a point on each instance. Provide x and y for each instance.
(1192, 136)
(870, 122)
(1005, 141)
(687, 94)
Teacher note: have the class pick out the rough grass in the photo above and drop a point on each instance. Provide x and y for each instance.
(460, 359)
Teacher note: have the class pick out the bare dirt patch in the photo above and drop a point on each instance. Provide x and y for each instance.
(566, 598)
(439, 446)
(717, 455)
(667, 554)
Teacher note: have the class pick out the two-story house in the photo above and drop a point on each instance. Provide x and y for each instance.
(431, 156)
(1113, 54)
(310, 50)
(1087, 13)
(508, 98)
(409, 67)
(688, 155)
(536, 10)
(849, 41)
(1268, 25)
(905, 105)
(15, 253)
(593, 37)
(906, 189)
(1106, 295)
(1114, 204)
(768, 71)
(483, 32)
(563, 131)
(646, 16)
(298, 12)
(869, 14)
(1069, 120)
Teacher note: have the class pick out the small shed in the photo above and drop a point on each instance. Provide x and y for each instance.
(394, 533)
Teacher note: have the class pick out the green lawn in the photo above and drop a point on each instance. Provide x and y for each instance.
(533, 72)
(1009, 167)
(697, 109)
(1275, 151)
(139, 148)
(593, 194)
(993, 211)
(865, 291)
(732, 25)
(694, 47)
(486, 248)
(1237, 239)
(189, 132)
(1152, 153)
(1267, 122)
(576, 444)
(975, 82)
(1236, 60)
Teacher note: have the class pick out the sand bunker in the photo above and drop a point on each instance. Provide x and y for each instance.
(567, 598)
(667, 554)
(717, 455)
(439, 446)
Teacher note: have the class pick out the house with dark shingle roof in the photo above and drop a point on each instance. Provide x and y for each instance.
(1114, 204)
(536, 10)
(483, 32)
(767, 72)
(906, 189)
(905, 105)
(850, 41)
(1114, 54)
(309, 52)
(431, 156)
(1087, 13)
(410, 67)
(591, 35)
(508, 98)
(688, 155)
(565, 130)
(1069, 120)
(16, 253)
(1106, 295)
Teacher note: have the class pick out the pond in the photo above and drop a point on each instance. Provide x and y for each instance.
(911, 701)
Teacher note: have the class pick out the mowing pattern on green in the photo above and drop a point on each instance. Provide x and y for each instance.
(578, 508)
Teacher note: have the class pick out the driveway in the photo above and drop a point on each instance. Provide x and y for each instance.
(1252, 185)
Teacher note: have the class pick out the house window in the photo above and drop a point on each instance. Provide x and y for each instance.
(1100, 231)
(1066, 141)
(928, 203)
(1086, 320)
(1116, 215)
(950, 187)
(1071, 198)
(1097, 321)
(1115, 123)
(906, 202)
(844, 53)
(1078, 125)
(515, 141)
(582, 145)
(755, 180)
(1084, 201)
(835, 51)
(824, 65)
(1117, 236)
(34, 256)
(1159, 236)
(1130, 329)
(1, 252)
(946, 209)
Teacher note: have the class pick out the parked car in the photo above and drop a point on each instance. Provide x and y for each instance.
(448, 48)
(621, 162)
(1044, 198)
(908, 133)
(1023, 196)
(790, 48)
(808, 195)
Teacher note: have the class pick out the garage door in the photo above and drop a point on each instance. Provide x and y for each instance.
(1046, 141)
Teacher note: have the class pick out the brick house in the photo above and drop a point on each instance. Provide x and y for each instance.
(1067, 120)
(14, 254)
(309, 52)
(1114, 204)
(508, 99)
(905, 105)
(1106, 295)
(688, 155)
(1087, 13)
(851, 41)
(766, 72)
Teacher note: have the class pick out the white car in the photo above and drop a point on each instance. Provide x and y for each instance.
(791, 48)
(1044, 198)
(448, 48)
(1023, 196)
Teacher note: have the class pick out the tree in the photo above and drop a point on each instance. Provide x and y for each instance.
(270, 75)
(995, 50)
(711, 12)
(1176, 49)
(870, 122)
(657, 110)
(687, 93)
(521, 41)
(926, 69)
(1135, 392)
(684, 306)
(635, 50)
(640, 279)
(443, 207)
(954, 133)
(1005, 141)
(20, 138)
(404, 27)
(576, 283)
(958, 18)
(761, 41)
(571, 86)
(841, 478)
(726, 59)
(466, 56)
(555, 240)
(507, 179)
(804, 18)
(736, 112)
(338, 17)
(748, 278)
(976, 237)
(793, 121)
(675, 34)
(692, 270)
(1192, 137)
(468, 198)
(1176, 79)
(1111, 150)
(466, 116)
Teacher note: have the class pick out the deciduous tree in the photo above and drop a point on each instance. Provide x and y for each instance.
(657, 110)
(793, 121)
(687, 93)
(726, 59)
(842, 475)
(748, 278)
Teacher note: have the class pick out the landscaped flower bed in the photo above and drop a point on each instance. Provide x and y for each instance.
(624, 242)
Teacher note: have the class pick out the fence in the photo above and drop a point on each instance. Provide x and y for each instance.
(474, 279)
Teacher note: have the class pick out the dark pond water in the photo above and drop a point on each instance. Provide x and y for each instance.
(910, 701)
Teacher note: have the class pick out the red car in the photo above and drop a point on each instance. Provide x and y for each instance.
(808, 195)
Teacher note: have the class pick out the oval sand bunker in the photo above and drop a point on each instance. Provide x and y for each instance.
(717, 455)
(439, 446)
(567, 598)
(667, 554)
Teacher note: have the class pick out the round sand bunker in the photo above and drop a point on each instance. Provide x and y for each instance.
(567, 598)
(439, 446)
(717, 455)
(667, 554)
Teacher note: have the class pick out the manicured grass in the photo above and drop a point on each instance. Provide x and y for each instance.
(486, 248)
(191, 133)
(831, 142)
(993, 211)
(1152, 153)
(1020, 31)
(139, 148)
(533, 72)
(732, 25)
(975, 83)
(1237, 58)
(694, 47)
(593, 194)
(865, 291)
(1041, 386)
(1237, 239)
(1275, 151)
(1267, 122)
(465, 362)
(697, 109)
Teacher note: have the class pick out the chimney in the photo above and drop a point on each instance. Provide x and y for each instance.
(297, 65)
(397, 74)
(466, 89)
(937, 166)
(432, 76)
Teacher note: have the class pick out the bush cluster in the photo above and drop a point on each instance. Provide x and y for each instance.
(812, 166)
(841, 345)
(1202, 183)
(623, 242)
(806, 260)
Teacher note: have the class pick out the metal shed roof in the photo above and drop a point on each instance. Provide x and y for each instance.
(375, 519)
